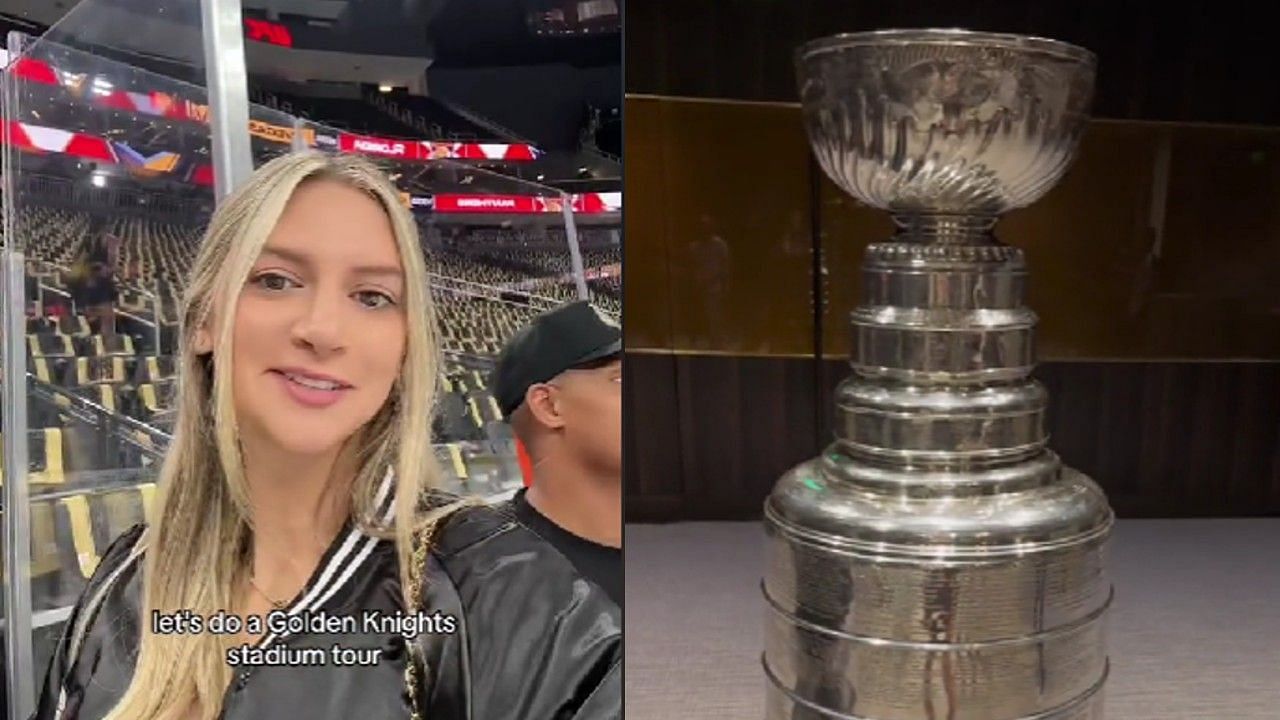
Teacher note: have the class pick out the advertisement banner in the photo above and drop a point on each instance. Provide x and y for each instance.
(587, 204)
(101, 92)
(429, 150)
(399, 149)
(201, 175)
(488, 204)
(279, 133)
(594, 203)
(188, 110)
(267, 32)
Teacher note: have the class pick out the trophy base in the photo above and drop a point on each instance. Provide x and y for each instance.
(783, 705)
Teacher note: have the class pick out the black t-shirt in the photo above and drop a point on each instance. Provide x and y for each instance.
(600, 564)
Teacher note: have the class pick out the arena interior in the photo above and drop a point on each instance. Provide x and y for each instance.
(106, 140)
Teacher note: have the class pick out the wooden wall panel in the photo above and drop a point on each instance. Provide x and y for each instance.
(1163, 439)
(718, 251)
(738, 423)
(723, 208)
(742, 261)
(651, 443)
(1203, 62)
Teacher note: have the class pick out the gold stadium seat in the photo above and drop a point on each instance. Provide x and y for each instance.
(75, 326)
(93, 370)
(454, 423)
(37, 325)
(475, 412)
(44, 457)
(44, 541)
(148, 493)
(80, 521)
(50, 345)
(103, 394)
(115, 511)
(449, 456)
(45, 370)
(56, 576)
(56, 580)
(154, 368)
(99, 346)
(56, 452)
(149, 401)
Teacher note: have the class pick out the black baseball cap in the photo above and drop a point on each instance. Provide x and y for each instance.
(558, 340)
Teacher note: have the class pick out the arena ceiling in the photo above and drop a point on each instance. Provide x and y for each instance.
(344, 43)
(335, 44)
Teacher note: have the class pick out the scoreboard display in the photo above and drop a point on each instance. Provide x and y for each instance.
(267, 32)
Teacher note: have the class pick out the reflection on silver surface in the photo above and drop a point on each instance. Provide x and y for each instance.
(928, 122)
(938, 560)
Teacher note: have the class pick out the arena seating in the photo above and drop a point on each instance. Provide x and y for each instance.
(541, 258)
(101, 404)
(87, 487)
(430, 117)
(432, 120)
(350, 114)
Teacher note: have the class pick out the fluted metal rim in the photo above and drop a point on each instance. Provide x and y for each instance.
(903, 400)
(882, 551)
(1039, 468)
(1081, 623)
(953, 37)
(947, 458)
(943, 319)
(1051, 714)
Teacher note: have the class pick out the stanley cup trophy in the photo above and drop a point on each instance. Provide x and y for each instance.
(938, 562)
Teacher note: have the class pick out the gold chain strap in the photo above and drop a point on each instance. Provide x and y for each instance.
(411, 679)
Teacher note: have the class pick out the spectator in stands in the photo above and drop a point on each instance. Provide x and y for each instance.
(77, 278)
(92, 281)
(559, 382)
(298, 483)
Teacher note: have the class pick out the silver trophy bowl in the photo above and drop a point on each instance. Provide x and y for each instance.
(938, 561)
(944, 121)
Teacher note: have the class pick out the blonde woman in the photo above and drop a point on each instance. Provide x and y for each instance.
(297, 563)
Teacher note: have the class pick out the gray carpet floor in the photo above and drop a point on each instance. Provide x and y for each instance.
(1194, 632)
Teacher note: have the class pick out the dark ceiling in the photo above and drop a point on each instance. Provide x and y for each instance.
(494, 33)
(460, 33)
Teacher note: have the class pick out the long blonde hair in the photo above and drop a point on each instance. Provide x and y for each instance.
(197, 546)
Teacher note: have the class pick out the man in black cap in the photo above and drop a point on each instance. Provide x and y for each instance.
(559, 383)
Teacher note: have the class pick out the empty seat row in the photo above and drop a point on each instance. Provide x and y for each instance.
(148, 403)
(80, 371)
(57, 345)
(477, 469)
(74, 326)
(58, 455)
(69, 533)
